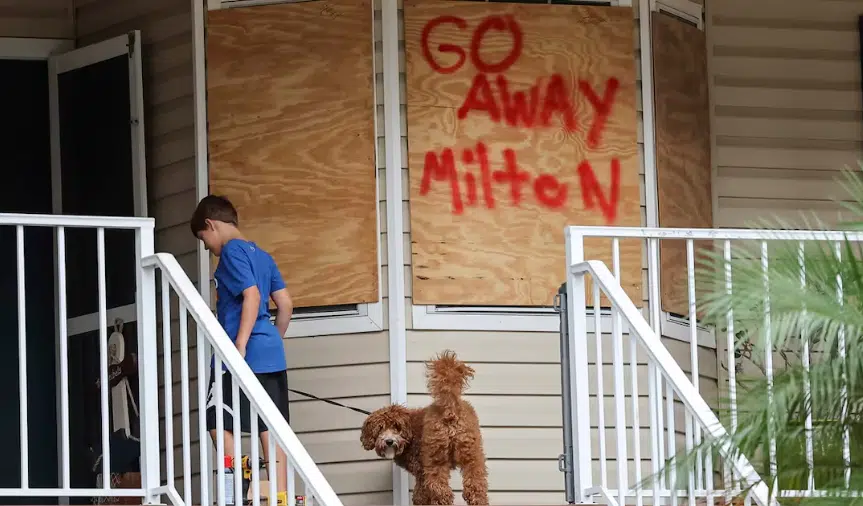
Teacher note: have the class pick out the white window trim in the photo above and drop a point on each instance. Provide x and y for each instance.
(513, 319)
(366, 317)
(677, 328)
(537, 319)
(612, 3)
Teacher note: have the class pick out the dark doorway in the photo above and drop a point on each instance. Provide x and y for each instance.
(25, 151)
(93, 137)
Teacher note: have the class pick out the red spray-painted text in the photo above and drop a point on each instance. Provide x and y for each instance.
(548, 190)
(549, 97)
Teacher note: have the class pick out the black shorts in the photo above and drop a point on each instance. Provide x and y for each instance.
(274, 383)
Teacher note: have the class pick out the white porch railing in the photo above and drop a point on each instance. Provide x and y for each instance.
(166, 398)
(619, 442)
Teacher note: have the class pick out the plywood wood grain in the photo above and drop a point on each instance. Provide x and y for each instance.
(682, 148)
(290, 106)
(475, 239)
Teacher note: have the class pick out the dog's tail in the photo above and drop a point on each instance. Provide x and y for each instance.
(447, 378)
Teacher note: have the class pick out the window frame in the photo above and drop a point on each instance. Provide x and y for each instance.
(546, 319)
(502, 319)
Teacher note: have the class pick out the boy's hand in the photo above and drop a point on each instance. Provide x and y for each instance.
(285, 309)
(242, 349)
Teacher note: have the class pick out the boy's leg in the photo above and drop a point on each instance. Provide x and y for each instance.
(276, 385)
(227, 439)
(281, 463)
(227, 410)
(230, 412)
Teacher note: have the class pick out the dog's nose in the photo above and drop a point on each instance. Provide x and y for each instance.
(389, 442)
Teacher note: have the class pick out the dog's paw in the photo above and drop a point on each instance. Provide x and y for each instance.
(475, 498)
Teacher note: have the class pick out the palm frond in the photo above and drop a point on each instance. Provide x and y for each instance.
(810, 294)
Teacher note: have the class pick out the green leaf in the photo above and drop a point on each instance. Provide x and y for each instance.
(810, 293)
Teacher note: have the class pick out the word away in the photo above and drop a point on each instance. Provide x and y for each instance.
(549, 191)
(519, 108)
(524, 109)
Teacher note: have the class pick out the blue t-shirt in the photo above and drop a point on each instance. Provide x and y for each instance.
(243, 264)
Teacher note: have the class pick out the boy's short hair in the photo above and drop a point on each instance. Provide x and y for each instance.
(216, 208)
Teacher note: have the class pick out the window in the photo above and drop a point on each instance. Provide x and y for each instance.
(484, 257)
(296, 153)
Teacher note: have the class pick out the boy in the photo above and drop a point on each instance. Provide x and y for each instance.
(245, 277)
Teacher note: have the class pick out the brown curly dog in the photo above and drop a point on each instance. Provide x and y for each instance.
(430, 442)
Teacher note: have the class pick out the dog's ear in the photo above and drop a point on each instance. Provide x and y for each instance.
(408, 431)
(467, 371)
(369, 433)
(403, 425)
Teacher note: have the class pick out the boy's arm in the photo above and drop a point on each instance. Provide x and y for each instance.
(285, 308)
(251, 303)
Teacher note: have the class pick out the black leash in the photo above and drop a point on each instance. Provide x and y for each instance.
(328, 401)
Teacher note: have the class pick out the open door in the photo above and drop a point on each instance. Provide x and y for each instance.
(98, 168)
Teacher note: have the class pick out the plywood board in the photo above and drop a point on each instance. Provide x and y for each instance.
(290, 106)
(682, 149)
(513, 140)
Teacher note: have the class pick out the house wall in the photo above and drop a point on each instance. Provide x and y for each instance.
(45, 19)
(786, 106)
(779, 137)
(517, 388)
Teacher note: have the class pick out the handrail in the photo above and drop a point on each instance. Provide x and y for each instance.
(240, 370)
(672, 371)
(708, 234)
(76, 221)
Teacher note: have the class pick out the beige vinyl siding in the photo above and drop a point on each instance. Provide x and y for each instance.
(350, 368)
(516, 390)
(42, 19)
(785, 78)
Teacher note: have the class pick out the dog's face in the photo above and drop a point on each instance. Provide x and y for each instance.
(387, 431)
